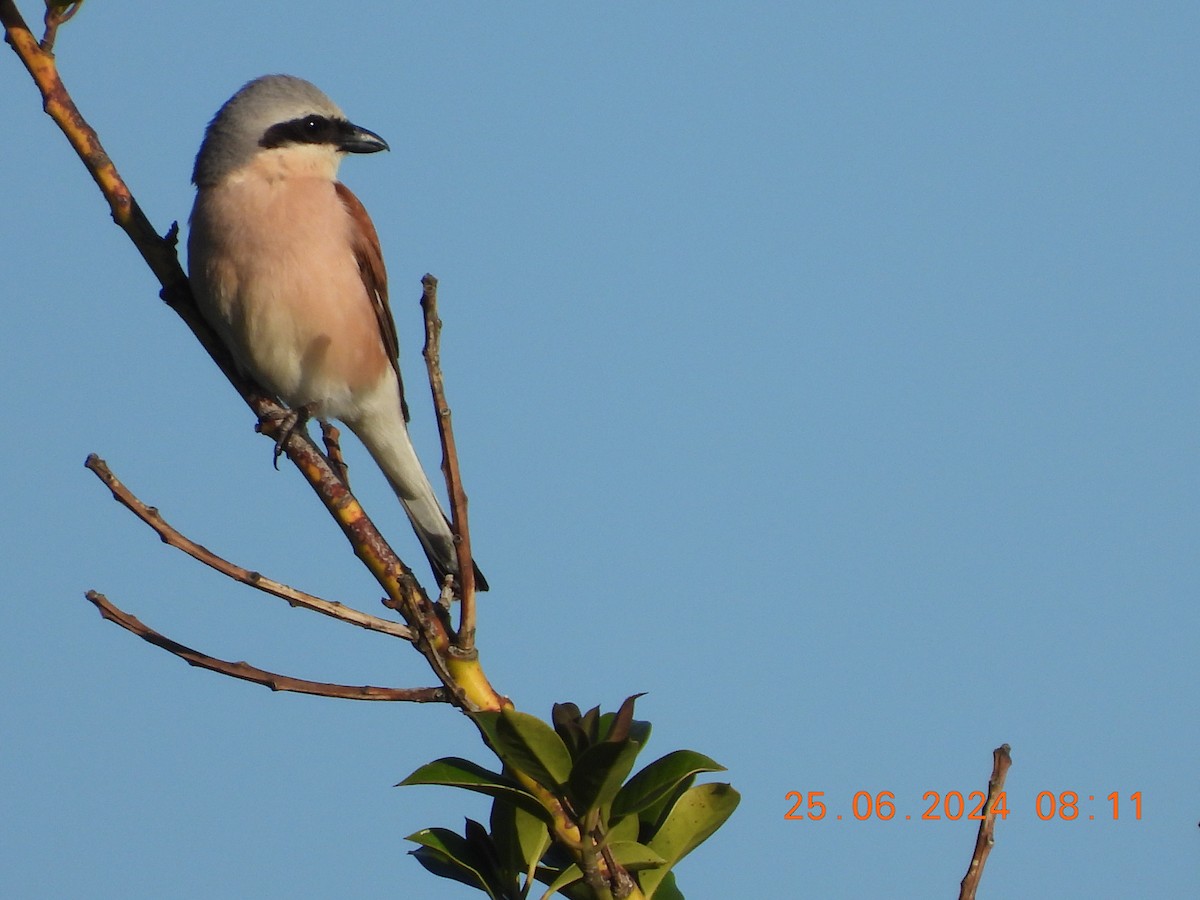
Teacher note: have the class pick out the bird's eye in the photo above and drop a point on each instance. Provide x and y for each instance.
(310, 129)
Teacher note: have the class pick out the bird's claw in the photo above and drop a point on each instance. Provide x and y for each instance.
(285, 426)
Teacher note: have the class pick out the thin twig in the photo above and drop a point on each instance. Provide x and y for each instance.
(986, 838)
(61, 108)
(247, 672)
(464, 640)
(57, 14)
(618, 876)
(173, 538)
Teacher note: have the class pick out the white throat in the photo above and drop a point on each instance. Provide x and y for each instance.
(293, 161)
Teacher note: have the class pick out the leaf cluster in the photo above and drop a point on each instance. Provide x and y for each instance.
(621, 831)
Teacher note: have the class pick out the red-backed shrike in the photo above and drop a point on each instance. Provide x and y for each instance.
(286, 266)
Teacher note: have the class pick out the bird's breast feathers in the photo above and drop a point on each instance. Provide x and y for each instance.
(274, 267)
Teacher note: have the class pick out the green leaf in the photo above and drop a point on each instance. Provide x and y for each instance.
(531, 746)
(454, 771)
(487, 724)
(569, 875)
(578, 891)
(444, 867)
(653, 816)
(450, 855)
(485, 849)
(590, 723)
(451, 771)
(667, 889)
(625, 829)
(621, 722)
(557, 856)
(520, 837)
(565, 718)
(696, 815)
(598, 773)
(660, 778)
(564, 712)
(639, 730)
(634, 856)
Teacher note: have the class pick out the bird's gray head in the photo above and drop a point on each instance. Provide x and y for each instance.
(272, 112)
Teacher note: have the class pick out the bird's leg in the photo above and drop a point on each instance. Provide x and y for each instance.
(285, 425)
(333, 450)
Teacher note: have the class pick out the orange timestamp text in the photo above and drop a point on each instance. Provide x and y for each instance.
(1066, 806)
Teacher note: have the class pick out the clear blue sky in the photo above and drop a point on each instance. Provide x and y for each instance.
(827, 371)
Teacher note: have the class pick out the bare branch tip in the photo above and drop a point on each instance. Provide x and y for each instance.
(246, 672)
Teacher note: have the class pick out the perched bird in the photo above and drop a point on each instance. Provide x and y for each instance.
(286, 266)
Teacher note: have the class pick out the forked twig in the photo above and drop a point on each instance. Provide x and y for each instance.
(57, 14)
(173, 538)
(986, 838)
(247, 672)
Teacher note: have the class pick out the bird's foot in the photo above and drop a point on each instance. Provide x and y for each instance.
(285, 424)
(333, 451)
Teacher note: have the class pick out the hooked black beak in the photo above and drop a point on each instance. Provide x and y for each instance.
(359, 140)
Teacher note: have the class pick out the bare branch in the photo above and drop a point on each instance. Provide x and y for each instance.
(986, 838)
(247, 672)
(464, 641)
(173, 538)
(159, 255)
